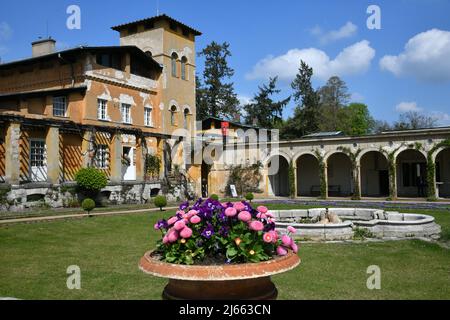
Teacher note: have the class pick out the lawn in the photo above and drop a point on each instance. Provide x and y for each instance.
(34, 259)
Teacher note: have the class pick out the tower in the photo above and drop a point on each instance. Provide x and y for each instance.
(172, 44)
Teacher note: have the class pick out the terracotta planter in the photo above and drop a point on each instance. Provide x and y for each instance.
(249, 281)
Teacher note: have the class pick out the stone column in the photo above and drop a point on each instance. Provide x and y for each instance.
(140, 159)
(296, 181)
(115, 162)
(325, 177)
(160, 154)
(87, 148)
(357, 182)
(12, 154)
(53, 155)
(393, 179)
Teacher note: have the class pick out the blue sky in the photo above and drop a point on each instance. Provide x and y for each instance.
(268, 38)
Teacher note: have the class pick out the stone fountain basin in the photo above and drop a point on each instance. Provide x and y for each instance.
(382, 224)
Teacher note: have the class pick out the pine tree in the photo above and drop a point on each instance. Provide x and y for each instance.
(263, 111)
(217, 98)
(306, 117)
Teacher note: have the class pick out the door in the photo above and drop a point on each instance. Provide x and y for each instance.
(38, 160)
(129, 164)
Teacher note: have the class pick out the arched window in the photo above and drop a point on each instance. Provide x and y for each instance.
(186, 118)
(183, 68)
(173, 111)
(174, 65)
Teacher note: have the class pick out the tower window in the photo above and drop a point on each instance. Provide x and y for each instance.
(183, 68)
(59, 106)
(174, 65)
(173, 111)
(186, 118)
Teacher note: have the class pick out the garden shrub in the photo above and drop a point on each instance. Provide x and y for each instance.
(249, 197)
(90, 180)
(214, 197)
(160, 202)
(88, 205)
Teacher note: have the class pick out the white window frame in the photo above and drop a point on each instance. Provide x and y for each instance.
(148, 116)
(102, 156)
(125, 110)
(60, 104)
(102, 109)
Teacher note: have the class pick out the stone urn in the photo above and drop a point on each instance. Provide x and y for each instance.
(250, 281)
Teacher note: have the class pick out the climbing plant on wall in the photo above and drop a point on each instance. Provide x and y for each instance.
(431, 168)
(292, 186)
(392, 170)
(152, 165)
(354, 162)
(322, 175)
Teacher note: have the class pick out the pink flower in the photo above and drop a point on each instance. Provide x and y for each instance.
(267, 237)
(239, 206)
(166, 239)
(294, 247)
(195, 219)
(270, 215)
(262, 209)
(192, 213)
(286, 240)
(261, 216)
(274, 236)
(186, 233)
(230, 212)
(245, 216)
(179, 225)
(172, 236)
(156, 227)
(256, 226)
(172, 221)
(281, 251)
(292, 230)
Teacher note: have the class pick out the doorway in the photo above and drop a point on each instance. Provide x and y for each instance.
(128, 164)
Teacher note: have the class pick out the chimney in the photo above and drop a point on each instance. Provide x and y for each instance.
(43, 47)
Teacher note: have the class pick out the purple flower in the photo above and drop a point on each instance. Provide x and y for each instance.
(184, 205)
(208, 232)
(162, 224)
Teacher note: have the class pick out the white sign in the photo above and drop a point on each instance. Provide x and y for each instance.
(233, 190)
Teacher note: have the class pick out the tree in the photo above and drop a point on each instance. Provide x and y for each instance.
(216, 97)
(355, 120)
(333, 97)
(381, 126)
(262, 109)
(200, 99)
(306, 117)
(414, 120)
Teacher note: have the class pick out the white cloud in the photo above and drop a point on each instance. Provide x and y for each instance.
(243, 99)
(353, 60)
(407, 107)
(346, 31)
(5, 31)
(426, 57)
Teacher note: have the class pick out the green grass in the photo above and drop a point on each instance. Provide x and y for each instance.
(34, 259)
